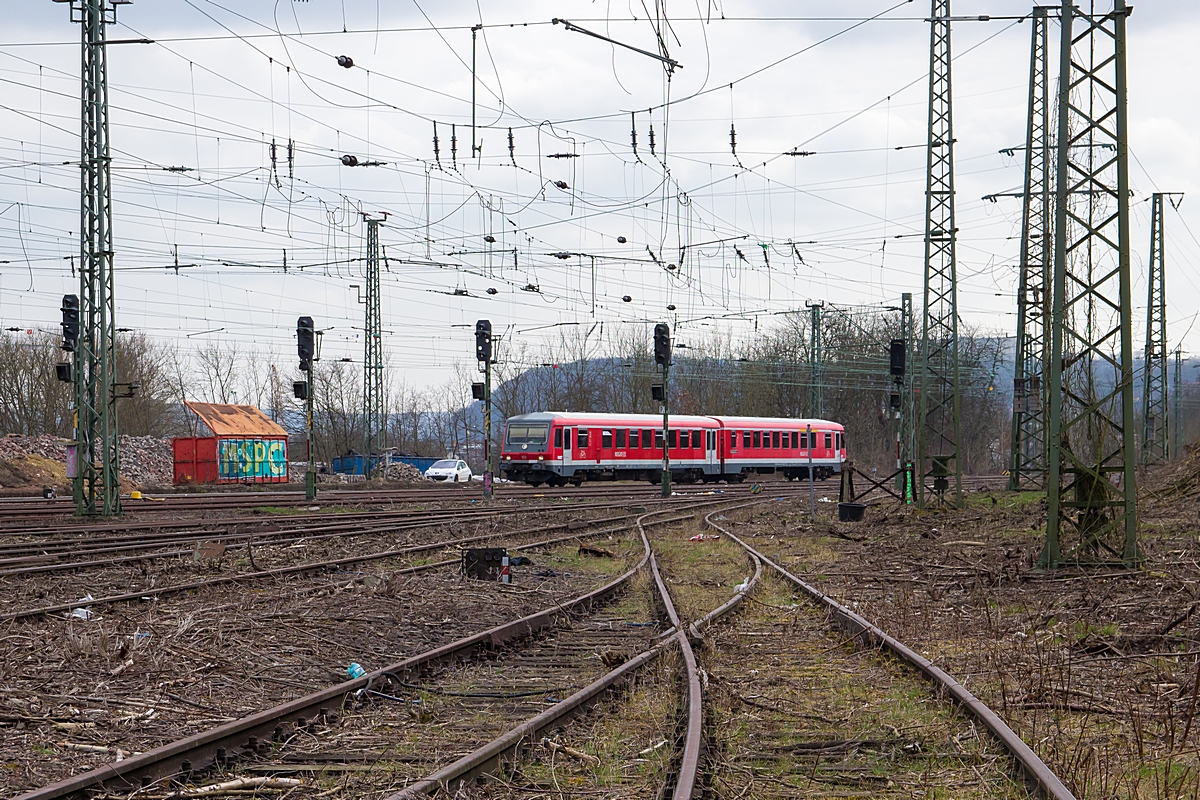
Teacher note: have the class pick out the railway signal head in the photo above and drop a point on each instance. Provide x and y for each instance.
(656, 392)
(70, 321)
(896, 356)
(477, 391)
(305, 342)
(300, 389)
(662, 344)
(483, 340)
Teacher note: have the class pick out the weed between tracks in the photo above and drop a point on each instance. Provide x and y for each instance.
(202, 658)
(1096, 670)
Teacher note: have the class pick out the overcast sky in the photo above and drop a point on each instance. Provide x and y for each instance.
(223, 80)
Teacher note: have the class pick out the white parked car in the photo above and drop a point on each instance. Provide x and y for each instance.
(449, 469)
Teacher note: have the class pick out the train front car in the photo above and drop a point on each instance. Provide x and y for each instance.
(528, 452)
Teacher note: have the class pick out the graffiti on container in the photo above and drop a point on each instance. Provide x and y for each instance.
(252, 458)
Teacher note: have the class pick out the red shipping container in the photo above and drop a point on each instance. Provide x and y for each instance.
(246, 447)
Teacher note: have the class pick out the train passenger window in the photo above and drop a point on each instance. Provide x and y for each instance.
(633, 439)
(606, 438)
(697, 439)
(647, 438)
(804, 441)
(658, 440)
(733, 437)
(582, 438)
(828, 441)
(558, 437)
(757, 439)
(674, 438)
(795, 437)
(621, 439)
(685, 439)
(775, 439)
(746, 439)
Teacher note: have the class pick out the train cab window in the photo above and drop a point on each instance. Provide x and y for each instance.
(582, 438)
(757, 439)
(658, 440)
(746, 439)
(558, 437)
(606, 438)
(829, 441)
(621, 439)
(685, 439)
(775, 440)
(674, 438)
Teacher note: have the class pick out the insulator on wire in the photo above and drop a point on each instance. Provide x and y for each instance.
(511, 148)
(291, 159)
(633, 135)
(274, 174)
(454, 146)
(652, 141)
(437, 153)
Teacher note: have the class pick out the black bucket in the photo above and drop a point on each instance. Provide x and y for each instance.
(851, 512)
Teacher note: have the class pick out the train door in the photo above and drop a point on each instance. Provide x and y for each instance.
(712, 464)
(568, 440)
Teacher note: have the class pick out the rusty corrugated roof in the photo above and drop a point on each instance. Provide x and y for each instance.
(228, 419)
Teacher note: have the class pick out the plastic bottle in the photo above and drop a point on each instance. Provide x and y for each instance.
(355, 670)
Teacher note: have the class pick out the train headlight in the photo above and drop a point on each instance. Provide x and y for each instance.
(540, 458)
(508, 458)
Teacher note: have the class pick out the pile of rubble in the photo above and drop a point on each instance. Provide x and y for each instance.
(145, 460)
(397, 471)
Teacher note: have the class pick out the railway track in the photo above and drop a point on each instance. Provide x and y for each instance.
(26, 509)
(435, 704)
(215, 746)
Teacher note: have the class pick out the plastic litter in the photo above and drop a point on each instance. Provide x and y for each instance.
(355, 670)
(84, 613)
(704, 537)
(743, 586)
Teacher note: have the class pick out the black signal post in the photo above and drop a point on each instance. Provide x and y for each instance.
(483, 354)
(662, 357)
(306, 348)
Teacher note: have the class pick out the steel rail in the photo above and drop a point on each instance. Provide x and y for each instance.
(689, 763)
(271, 539)
(172, 503)
(511, 742)
(1034, 769)
(308, 566)
(200, 751)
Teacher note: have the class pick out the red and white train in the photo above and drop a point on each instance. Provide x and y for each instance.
(560, 448)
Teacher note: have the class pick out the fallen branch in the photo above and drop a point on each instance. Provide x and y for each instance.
(579, 755)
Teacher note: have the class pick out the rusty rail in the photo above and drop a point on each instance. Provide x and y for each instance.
(200, 751)
(1035, 770)
(486, 757)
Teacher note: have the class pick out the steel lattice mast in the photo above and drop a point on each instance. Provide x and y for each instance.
(938, 404)
(1091, 487)
(96, 485)
(815, 393)
(374, 422)
(1155, 412)
(1027, 462)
